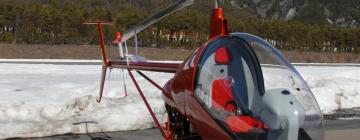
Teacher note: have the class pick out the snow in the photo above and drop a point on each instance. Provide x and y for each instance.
(48, 61)
(43, 99)
(333, 87)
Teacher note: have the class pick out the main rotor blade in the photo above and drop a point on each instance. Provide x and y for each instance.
(158, 16)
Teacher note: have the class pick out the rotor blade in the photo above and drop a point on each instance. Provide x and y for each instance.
(153, 19)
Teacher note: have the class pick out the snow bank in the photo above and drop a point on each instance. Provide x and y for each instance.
(333, 87)
(41, 99)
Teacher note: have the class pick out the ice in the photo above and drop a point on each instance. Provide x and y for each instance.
(42, 99)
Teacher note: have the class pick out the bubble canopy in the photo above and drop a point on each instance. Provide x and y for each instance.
(238, 75)
(279, 73)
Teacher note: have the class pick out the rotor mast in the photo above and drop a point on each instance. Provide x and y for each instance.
(219, 24)
(216, 4)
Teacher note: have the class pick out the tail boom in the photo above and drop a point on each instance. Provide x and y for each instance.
(145, 66)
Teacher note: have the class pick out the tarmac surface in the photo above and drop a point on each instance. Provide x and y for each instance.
(334, 130)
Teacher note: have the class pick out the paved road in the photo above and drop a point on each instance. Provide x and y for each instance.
(342, 130)
(335, 130)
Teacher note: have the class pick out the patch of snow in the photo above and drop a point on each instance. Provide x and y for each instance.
(234, 4)
(351, 118)
(42, 99)
(290, 14)
(333, 87)
(329, 21)
(47, 60)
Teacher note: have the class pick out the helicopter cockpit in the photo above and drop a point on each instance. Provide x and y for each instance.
(254, 92)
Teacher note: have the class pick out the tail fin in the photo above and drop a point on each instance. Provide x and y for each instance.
(132, 32)
(104, 57)
(101, 35)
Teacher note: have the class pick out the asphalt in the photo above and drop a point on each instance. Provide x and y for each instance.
(342, 129)
(334, 130)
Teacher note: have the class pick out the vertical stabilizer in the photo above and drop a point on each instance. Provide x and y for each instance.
(104, 57)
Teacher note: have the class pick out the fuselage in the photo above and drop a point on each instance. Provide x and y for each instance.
(179, 92)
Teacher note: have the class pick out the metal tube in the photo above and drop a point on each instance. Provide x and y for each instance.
(102, 82)
(124, 82)
(147, 105)
(121, 50)
(102, 42)
(136, 44)
(126, 53)
(148, 79)
(216, 4)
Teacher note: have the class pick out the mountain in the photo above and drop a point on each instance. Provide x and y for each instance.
(315, 25)
(344, 13)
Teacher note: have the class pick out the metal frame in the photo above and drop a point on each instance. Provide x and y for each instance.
(168, 134)
(106, 61)
(218, 28)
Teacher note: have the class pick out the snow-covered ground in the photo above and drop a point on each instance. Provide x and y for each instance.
(333, 87)
(42, 99)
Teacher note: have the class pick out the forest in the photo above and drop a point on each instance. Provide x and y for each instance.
(56, 22)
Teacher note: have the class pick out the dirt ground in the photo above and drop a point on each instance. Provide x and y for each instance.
(18, 51)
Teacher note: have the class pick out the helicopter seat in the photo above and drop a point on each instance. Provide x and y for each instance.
(222, 95)
(244, 124)
(223, 56)
(222, 90)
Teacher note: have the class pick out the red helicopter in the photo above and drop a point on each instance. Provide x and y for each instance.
(235, 86)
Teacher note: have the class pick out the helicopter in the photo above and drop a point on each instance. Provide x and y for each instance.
(235, 86)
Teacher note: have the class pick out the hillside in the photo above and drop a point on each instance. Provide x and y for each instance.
(344, 13)
(317, 25)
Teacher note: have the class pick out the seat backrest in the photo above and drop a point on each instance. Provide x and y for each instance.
(230, 58)
(223, 95)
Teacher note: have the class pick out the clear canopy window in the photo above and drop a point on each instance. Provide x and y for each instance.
(233, 77)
